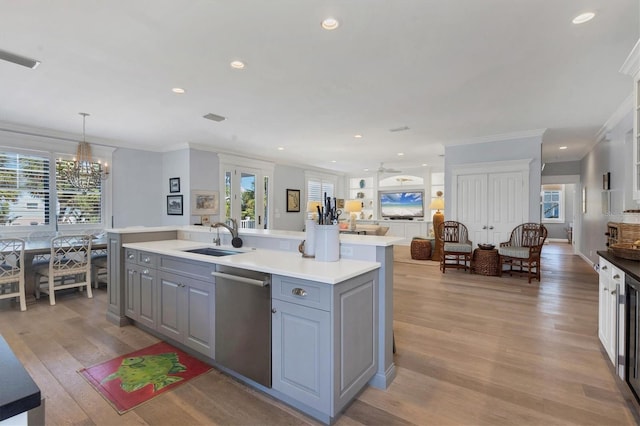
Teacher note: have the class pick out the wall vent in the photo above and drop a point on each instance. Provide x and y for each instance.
(214, 117)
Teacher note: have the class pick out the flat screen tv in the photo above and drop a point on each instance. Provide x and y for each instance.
(402, 204)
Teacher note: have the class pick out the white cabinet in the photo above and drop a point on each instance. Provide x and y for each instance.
(610, 283)
(406, 229)
(323, 341)
(363, 189)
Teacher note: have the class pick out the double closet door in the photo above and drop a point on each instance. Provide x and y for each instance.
(490, 204)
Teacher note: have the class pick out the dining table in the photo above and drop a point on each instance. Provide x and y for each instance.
(42, 247)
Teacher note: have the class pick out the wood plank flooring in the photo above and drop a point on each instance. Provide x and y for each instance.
(472, 350)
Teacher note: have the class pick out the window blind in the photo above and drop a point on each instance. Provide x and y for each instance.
(24, 189)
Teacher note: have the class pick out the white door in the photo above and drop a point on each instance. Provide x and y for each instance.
(490, 205)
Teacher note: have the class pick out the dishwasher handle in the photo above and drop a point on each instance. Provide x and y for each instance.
(245, 280)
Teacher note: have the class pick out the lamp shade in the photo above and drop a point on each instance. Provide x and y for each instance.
(437, 204)
(312, 206)
(353, 206)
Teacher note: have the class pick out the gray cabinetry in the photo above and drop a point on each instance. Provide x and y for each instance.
(186, 308)
(140, 294)
(324, 341)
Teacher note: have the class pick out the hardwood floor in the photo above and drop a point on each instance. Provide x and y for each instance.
(472, 350)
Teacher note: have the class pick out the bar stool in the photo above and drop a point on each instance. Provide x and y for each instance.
(12, 270)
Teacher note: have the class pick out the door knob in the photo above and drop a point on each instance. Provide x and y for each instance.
(491, 227)
(484, 227)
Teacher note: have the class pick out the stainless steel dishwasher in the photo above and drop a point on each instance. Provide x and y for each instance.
(243, 322)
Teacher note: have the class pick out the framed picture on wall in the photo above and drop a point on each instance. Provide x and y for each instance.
(174, 184)
(293, 200)
(174, 205)
(204, 202)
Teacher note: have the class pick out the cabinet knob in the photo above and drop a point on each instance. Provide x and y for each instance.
(273, 310)
(605, 289)
(299, 292)
(616, 277)
(614, 292)
(131, 256)
(146, 272)
(146, 260)
(604, 268)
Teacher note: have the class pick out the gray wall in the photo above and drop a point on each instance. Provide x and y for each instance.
(561, 168)
(292, 178)
(204, 174)
(137, 190)
(512, 149)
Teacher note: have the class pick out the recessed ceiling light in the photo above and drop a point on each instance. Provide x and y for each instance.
(178, 90)
(357, 136)
(424, 164)
(583, 17)
(366, 170)
(563, 147)
(239, 65)
(333, 161)
(280, 148)
(400, 154)
(330, 24)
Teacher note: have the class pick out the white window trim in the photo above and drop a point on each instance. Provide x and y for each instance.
(561, 204)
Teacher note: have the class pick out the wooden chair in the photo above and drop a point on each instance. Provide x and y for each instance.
(456, 249)
(70, 257)
(12, 270)
(522, 252)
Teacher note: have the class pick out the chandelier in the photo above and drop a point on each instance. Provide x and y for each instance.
(82, 173)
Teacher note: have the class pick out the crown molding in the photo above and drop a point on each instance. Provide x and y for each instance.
(618, 115)
(631, 65)
(535, 133)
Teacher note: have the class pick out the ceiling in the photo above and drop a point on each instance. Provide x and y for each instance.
(450, 71)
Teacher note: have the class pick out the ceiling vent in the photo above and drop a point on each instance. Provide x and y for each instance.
(214, 117)
(399, 129)
(18, 60)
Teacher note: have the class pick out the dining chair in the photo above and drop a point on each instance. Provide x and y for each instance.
(12, 270)
(456, 250)
(522, 252)
(99, 265)
(70, 258)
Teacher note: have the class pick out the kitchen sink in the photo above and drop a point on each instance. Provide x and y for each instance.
(210, 251)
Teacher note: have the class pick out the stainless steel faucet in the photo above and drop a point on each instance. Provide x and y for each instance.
(233, 229)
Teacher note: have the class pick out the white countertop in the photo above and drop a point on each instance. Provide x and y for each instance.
(370, 240)
(270, 261)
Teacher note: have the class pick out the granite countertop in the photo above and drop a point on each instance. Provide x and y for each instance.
(631, 267)
(18, 391)
(270, 261)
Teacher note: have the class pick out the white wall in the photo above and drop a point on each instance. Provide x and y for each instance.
(503, 150)
(176, 164)
(288, 177)
(204, 174)
(137, 190)
(610, 155)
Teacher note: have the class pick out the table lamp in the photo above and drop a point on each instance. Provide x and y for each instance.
(353, 207)
(312, 209)
(438, 218)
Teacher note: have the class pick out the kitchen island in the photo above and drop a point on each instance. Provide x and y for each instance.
(323, 316)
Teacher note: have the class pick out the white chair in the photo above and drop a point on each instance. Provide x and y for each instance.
(12, 270)
(70, 257)
(99, 265)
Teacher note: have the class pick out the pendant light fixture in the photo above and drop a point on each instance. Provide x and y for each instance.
(82, 172)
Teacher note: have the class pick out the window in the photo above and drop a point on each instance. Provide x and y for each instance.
(27, 198)
(318, 187)
(553, 203)
(75, 206)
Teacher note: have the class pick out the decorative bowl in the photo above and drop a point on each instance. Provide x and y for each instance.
(486, 246)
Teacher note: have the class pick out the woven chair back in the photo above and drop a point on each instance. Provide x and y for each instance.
(11, 259)
(453, 232)
(528, 235)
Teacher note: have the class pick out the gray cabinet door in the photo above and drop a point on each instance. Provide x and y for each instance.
(147, 298)
(169, 305)
(186, 311)
(132, 290)
(199, 316)
(301, 349)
